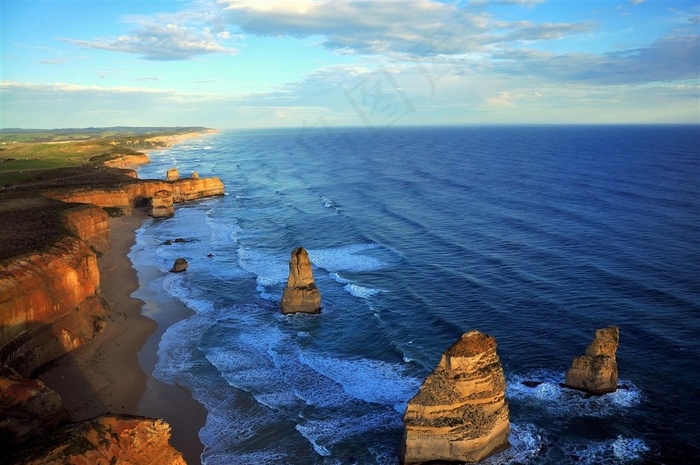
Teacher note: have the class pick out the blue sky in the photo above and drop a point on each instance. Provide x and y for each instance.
(271, 63)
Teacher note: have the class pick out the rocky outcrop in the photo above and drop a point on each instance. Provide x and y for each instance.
(110, 439)
(172, 175)
(195, 175)
(162, 204)
(179, 266)
(460, 413)
(596, 371)
(27, 408)
(301, 294)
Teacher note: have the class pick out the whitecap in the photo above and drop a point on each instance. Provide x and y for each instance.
(608, 452)
(348, 258)
(546, 390)
(369, 380)
(361, 291)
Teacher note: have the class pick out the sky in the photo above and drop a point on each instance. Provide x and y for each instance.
(312, 63)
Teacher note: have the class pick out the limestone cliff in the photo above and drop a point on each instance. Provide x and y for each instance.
(301, 294)
(110, 439)
(132, 192)
(49, 281)
(460, 413)
(596, 371)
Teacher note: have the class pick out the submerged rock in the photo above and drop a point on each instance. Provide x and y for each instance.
(460, 413)
(162, 204)
(301, 294)
(596, 371)
(172, 175)
(179, 266)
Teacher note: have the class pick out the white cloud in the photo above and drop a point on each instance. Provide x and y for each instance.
(174, 36)
(420, 27)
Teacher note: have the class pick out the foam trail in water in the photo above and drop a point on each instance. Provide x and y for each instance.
(562, 401)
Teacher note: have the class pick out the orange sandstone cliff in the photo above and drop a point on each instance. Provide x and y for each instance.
(49, 291)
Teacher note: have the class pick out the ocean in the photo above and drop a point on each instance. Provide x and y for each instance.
(537, 236)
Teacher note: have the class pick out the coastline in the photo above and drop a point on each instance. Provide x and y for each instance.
(114, 372)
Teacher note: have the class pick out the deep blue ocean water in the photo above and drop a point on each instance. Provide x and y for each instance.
(534, 235)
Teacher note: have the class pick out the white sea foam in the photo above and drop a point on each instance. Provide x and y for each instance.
(562, 401)
(347, 258)
(324, 434)
(526, 443)
(361, 291)
(369, 380)
(609, 452)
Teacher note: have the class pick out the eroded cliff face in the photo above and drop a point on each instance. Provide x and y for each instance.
(49, 298)
(91, 224)
(460, 413)
(135, 191)
(122, 439)
(49, 304)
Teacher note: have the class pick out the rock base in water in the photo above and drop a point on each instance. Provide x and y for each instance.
(179, 266)
(301, 294)
(596, 371)
(460, 413)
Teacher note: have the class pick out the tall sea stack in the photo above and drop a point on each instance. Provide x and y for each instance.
(460, 413)
(596, 371)
(301, 294)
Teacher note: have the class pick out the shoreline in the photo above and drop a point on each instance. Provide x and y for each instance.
(114, 372)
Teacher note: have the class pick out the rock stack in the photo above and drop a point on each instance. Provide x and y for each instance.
(162, 204)
(596, 371)
(301, 294)
(460, 413)
(172, 175)
(195, 175)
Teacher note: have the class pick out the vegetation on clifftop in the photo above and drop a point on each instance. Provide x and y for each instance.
(23, 152)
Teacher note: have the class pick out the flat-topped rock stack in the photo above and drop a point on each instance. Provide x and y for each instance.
(460, 413)
(596, 371)
(162, 204)
(301, 294)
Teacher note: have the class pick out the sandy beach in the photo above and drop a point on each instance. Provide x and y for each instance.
(113, 373)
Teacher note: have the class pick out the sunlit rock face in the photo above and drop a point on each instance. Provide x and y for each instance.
(91, 224)
(162, 204)
(596, 371)
(27, 408)
(110, 439)
(301, 294)
(172, 175)
(460, 413)
(49, 304)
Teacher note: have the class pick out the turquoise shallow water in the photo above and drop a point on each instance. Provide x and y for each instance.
(535, 235)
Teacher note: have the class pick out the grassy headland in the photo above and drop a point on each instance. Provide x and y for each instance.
(24, 153)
